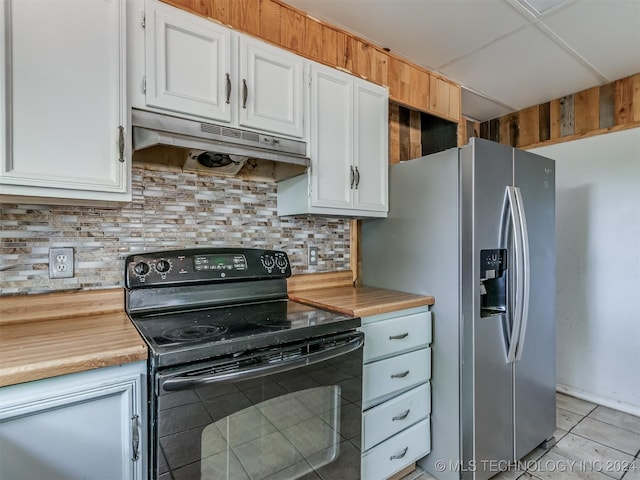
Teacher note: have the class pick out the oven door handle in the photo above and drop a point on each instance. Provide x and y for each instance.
(247, 373)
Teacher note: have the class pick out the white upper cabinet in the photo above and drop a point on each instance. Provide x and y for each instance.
(192, 67)
(64, 112)
(349, 150)
(270, 94)
(370, 148)
(331, 138)
(187, 62)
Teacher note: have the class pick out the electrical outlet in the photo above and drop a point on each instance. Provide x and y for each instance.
(313, 255)
(61, 262)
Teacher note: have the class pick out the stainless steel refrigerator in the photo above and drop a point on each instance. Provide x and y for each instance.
(475, 227)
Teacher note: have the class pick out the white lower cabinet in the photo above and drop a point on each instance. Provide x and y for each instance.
(396, 392)
(397, 452)
(88, 425)
(386, 378)
(389, 418)
(405, 333)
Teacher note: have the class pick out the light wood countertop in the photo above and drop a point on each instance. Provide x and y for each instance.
(54, 334)
(46, 335)
(360, 301)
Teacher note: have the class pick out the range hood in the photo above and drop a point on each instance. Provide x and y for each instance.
(218, 148)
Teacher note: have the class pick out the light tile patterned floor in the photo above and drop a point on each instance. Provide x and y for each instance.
(593, 443)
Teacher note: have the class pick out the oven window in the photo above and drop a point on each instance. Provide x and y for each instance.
(291, 435)
(302, 423)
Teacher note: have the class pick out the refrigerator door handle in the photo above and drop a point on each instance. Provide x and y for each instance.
(524, 277)
(517, 303)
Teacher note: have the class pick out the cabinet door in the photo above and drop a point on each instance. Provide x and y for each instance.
(187, 63)
(270, 88)
(331, 138)
(371, 147)
(64, 99)
(71, 427)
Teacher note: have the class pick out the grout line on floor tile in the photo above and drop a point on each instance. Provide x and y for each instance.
(582, 417)
(600, 419)
(603, 444)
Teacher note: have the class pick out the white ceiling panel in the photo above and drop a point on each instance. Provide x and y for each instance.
(429, 32)
(607, 34)
(521, 76)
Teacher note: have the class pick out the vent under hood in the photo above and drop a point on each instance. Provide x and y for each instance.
(212, 141)
(221, 164)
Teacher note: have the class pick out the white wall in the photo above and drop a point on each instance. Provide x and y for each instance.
(598, 267)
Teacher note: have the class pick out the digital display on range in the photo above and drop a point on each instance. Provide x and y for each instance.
(219, 262)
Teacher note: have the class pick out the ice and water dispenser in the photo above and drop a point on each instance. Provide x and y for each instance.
(493, 282)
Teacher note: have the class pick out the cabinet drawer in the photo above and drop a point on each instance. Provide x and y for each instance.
(394, 375)
(394, 454)
(393, 416)
(396, 335)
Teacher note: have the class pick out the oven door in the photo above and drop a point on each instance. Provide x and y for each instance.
(283, 413)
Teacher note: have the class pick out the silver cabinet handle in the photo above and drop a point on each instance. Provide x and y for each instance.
(353, 177)
(357, 177)
(121, 143)
(402, 416)
(135, 437)
(400, 375)
(399, 455)
(399, 337)
(245, 93)
(228, 89)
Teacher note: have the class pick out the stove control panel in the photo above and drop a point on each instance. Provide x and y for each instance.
(219, 262)
(203, 265)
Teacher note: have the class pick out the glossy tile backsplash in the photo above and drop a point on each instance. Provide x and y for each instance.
(169, 210)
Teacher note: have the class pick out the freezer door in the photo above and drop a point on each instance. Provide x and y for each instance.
(487, 376)
(535, 375)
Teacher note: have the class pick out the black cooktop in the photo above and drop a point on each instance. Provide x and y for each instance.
(196, 304)
(193, 335)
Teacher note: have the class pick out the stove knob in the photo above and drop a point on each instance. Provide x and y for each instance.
(141, 269)
(281, 262)
(267, 262)
(163, 266)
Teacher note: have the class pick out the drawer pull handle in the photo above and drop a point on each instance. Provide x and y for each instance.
(400, 375)
(402, 416)
(399, 455)
(399, 337)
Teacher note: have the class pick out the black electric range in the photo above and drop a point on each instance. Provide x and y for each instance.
(225, 343)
